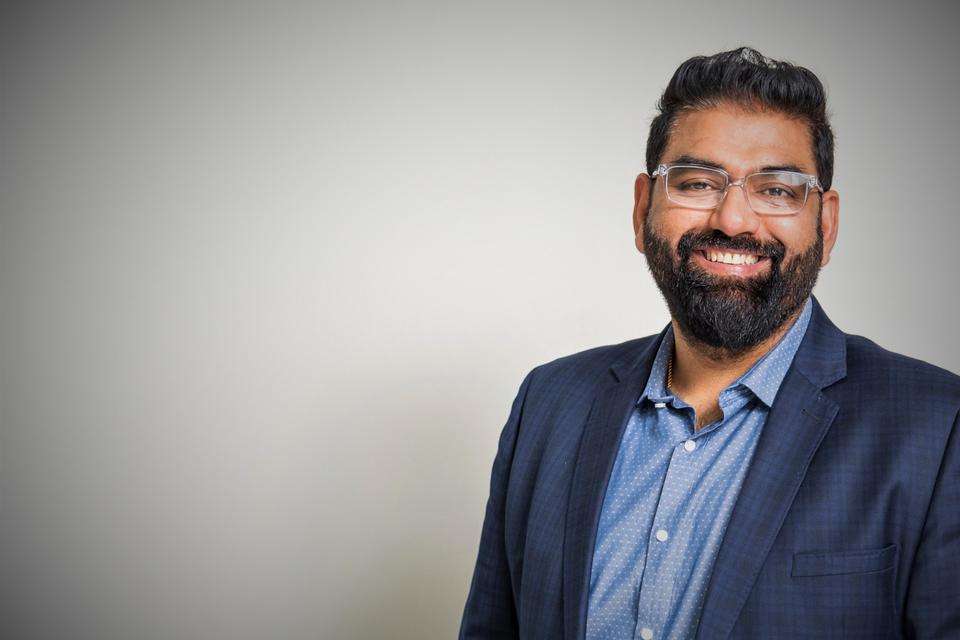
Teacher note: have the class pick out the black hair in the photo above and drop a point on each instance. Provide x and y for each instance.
(749, 79)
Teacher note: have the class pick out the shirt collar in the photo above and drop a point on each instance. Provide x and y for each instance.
(763, 378)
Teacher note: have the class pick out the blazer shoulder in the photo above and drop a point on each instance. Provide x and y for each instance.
(869, 363)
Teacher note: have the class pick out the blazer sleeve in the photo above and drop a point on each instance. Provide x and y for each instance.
(933, 595)
(490, 611)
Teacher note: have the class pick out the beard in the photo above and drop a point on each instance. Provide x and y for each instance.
(728, 315)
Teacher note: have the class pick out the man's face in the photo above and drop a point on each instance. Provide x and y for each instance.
(732, 308)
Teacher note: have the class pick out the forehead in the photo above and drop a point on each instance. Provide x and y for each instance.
(742, 140)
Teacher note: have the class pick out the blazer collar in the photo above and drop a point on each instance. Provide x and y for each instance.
(822, 356)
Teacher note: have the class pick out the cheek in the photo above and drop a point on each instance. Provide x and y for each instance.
(794, 234)
(671, 224)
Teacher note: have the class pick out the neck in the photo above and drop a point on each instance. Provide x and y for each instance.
(700, 368)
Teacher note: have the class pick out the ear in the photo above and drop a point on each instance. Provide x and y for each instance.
(829, 223)
(641, 200)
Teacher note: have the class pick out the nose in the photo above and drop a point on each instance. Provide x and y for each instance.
(733, 215)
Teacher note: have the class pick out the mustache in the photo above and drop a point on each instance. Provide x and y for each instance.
(716, 239)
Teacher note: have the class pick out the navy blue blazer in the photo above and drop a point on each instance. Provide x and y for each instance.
(847, 524)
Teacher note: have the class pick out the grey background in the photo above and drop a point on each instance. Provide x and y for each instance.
(270, 276)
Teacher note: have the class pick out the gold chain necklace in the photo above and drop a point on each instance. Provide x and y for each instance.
(670, 372)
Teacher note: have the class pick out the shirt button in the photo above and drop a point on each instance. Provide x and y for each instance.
(646, 634)
(659, 405)
(662, 535)
(689, 445)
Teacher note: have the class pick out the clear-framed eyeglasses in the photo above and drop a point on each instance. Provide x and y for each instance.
(770, 193)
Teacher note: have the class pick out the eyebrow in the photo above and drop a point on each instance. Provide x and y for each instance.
(689, 159)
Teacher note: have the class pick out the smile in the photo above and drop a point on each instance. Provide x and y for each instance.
(731, 263)
(727, 257)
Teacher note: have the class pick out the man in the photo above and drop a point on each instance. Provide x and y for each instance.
(751, 471)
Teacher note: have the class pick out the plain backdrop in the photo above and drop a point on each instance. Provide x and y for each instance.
(270, 275)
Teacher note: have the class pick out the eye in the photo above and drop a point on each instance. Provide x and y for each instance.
(777, 191)
(696, 185)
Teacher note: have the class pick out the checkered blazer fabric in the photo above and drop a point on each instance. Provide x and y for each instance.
(847, 524)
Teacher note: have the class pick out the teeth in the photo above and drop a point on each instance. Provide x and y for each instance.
(731, 258)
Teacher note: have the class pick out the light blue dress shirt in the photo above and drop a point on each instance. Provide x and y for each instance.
(670, 496)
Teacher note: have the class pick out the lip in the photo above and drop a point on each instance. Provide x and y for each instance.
(741, 270)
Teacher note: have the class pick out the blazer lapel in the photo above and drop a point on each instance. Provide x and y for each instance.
(798, 420)
(597, 452)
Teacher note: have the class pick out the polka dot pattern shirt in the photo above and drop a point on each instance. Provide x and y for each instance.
(670, 496)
